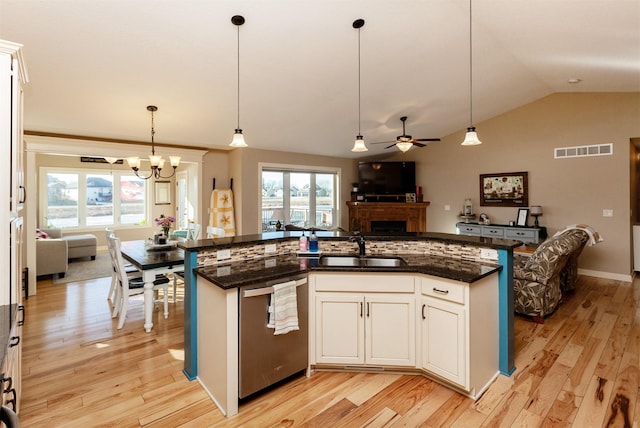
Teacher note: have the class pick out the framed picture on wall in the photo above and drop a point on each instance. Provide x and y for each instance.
(163, 192)
(509, 189)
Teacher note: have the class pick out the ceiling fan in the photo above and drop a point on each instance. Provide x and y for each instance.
(404, 141)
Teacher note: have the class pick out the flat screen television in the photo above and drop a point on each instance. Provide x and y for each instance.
(387, 178)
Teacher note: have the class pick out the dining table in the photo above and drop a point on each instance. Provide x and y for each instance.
(152, 260)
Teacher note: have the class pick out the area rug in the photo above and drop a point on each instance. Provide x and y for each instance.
(85, 269)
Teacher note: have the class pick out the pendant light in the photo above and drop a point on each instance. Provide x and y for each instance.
(359, 145)
(238, 138)
(471, 138)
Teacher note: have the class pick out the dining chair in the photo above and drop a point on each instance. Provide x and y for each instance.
(215, 232)
(129, 268)
(132, 286)
(193, 231)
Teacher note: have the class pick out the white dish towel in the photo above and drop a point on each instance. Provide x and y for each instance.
(283, 310)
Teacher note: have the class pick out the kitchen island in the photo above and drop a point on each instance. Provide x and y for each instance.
(252, 259)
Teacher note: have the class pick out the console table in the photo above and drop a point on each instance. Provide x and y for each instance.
(519, 233)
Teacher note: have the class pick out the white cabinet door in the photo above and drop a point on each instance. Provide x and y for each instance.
(390, 329)
(444, 339)
(339, 328)
(354, 328)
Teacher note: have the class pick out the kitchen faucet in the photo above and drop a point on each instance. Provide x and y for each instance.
(357, 237)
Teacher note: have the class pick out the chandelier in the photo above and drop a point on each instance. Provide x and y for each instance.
(157, 162)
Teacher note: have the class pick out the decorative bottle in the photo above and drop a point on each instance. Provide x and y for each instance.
(468, 207)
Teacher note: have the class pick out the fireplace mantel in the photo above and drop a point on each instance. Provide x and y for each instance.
(361, 214)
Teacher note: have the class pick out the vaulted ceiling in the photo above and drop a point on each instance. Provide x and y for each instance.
(95, 65)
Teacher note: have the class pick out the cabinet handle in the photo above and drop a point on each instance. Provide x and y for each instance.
(367, 309)
(435, 290)
(13, 400)
(23, 195)
(14, 341)
(361, 309)
(21, 309)
(8, 380)
(423, 307)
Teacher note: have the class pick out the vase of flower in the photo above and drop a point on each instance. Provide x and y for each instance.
(165, 224)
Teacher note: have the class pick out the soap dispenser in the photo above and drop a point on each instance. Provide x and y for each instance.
(302, 245)
(313, 242)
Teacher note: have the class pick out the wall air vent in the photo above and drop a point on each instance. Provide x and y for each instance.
(582, 151)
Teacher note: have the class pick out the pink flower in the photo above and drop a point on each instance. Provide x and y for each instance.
(165, 222)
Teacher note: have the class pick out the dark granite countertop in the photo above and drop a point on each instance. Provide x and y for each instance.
(205, 244)
(233, 275)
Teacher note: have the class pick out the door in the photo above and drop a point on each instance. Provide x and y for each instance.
(339, 328)
(390, 325)
(182, 200)
(443, 339)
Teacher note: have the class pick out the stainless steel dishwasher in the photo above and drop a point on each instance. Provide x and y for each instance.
(265, 359)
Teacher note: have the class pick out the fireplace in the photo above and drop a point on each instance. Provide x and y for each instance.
(388, 226)
(388, 217)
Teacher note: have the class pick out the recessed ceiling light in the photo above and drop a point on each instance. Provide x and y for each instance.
(574, 80)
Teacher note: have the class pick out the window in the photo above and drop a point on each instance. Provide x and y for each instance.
(308, 196)
(82, 198)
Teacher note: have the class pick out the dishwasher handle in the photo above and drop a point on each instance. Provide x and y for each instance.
(255, 292)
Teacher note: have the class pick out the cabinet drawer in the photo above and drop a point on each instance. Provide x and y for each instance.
(494, 232)
(466, 229)
(452, 291)
(522, 234)
(361, 282)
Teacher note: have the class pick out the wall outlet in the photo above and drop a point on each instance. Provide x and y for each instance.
(223, 254)
(607, 213)
(487, 253)
(223, 271)
(447, 207)
(270, 248)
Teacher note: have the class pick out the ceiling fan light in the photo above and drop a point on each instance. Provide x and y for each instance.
(238, 139)
(404, 146)
(471, 138)
(358, 145)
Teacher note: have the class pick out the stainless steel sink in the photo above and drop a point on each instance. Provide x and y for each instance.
(355, 261)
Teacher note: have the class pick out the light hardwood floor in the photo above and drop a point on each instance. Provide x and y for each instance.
(578, 369)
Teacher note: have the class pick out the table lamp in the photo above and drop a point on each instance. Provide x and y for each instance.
(536, 211)
(279, 216)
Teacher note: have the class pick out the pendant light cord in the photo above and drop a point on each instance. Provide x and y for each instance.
(238, 28)
(359, 81)
(153, 130)
(470, 69)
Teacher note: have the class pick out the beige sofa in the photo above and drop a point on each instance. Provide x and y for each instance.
(53, 253)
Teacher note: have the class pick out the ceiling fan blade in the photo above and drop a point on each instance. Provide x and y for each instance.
(426, 139)
(385, 142)
(419, 144)
(388, 147)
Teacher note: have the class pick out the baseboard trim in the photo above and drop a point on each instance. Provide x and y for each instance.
(606, 275)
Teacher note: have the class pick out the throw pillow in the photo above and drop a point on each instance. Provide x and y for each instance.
(40, 234)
